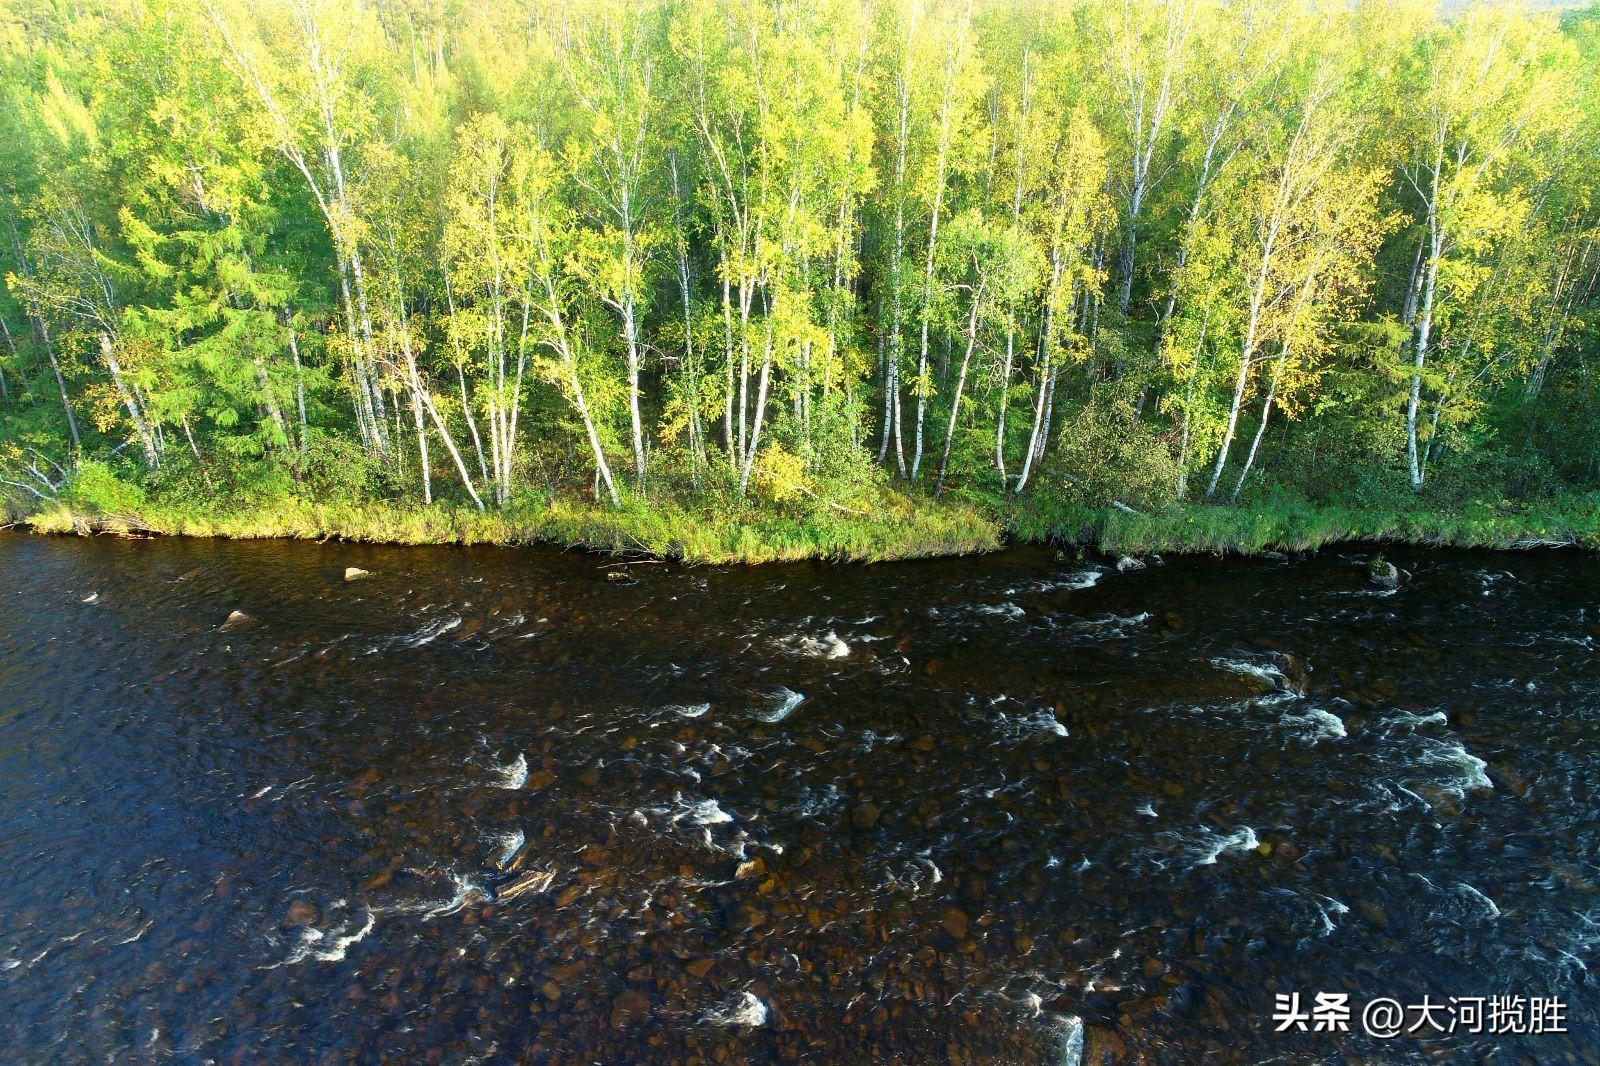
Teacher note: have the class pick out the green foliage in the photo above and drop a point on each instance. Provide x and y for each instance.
(99, 489)
(739, 280)
(1103, 454)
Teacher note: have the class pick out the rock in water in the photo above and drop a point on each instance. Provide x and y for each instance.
(1384, 574)
(301, 912)
(865, 816)
(627, 1008)
(621, 577)
(1127, 563)
(355, 573)
(236, 618)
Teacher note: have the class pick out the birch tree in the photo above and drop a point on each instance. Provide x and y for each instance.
(1478, 97)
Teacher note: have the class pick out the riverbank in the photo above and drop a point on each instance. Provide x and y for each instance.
(1277, 525)
(896, 526)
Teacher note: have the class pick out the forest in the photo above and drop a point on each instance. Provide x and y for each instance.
(767, 278)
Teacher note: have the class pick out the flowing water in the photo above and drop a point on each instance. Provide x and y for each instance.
(487, 805)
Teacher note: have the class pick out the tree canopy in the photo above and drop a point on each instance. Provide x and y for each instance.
(469, 252)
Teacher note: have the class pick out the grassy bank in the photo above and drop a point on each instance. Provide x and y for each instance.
(1279, 525)
(899, 526)
(867, 520)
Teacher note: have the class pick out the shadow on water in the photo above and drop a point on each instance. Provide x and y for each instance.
(487, 805)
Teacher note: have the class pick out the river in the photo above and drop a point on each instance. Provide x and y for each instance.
(488, 805)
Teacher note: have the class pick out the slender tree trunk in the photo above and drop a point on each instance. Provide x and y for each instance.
(5, 391)
(961, 384)
(472, 423)
(1129, 246)
(631, 338)
(1232, 424)
(1005, 396)
(147, 439)
(1188, 408)
(270, 402)
(891, 382)
(299, 382)
(727, 398)
(42, 328)
(414, 381)
(927, 273)
(761, 410)
(1047, 344)
(450, 446)
(1420, 349)
(1261, 430)
(602, 468)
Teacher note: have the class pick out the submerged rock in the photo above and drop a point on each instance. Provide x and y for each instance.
(301, 912)
(627, 1008)
(1127, 563)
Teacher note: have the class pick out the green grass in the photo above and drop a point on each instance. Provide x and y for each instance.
(1276, 525)
(889, 524)
(898, 527)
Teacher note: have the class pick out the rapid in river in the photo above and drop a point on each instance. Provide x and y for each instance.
(490, 805)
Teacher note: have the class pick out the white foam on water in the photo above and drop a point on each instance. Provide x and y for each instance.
(1071, 1047)
(1328, 909)
(1028, 723)
(1491, 908)
(689, 710)
(328, 945)
(138, 933)
(744, 1009)
(1213, 845)
(701, 812)
(1081, 579)
(1316, 724)
(780, 705)
(430, 632)
(814, 803)
(1268, 673)
(1145, 809)
(93, 597)
(1114, 623)
(1416, 721)
(510, 843)
(466, 892)
(514, 774)
(827, 646)
(1003, 610)
(1465, 771)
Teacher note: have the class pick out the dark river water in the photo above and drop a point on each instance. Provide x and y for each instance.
(488, 806)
